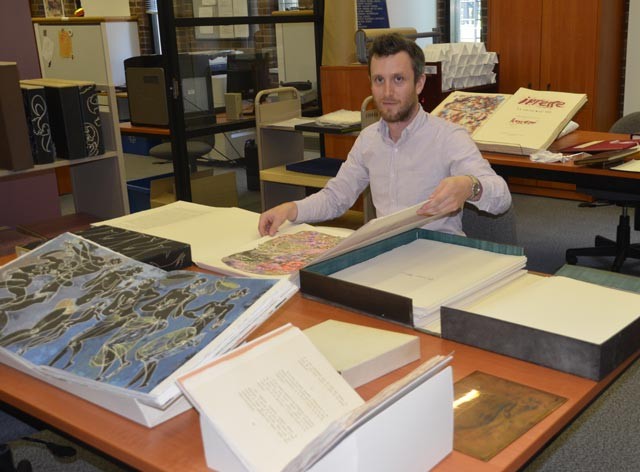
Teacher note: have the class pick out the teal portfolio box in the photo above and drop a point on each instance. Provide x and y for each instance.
(319, 281)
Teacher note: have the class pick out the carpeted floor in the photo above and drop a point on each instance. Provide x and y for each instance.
(547, 227)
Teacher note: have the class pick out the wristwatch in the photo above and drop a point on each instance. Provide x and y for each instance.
(476, 189)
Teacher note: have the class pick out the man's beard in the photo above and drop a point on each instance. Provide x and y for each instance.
(403, 114)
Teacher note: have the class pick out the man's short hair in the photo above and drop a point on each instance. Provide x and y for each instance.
(393, 43)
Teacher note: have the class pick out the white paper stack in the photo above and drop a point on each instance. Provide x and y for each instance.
(433, 274)
(361, 353)
(340, 118)
(463, 64)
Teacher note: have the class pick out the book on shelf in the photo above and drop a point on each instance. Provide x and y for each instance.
(15, 149)
(90, 115)
(65, 116)
(361, 353)
(35, 105)
(118, 332)
(90, 112)
(522, 123)
(277, 404)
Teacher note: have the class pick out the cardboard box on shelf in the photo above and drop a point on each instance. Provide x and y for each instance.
(206, 189)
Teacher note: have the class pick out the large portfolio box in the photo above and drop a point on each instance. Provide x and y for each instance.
(587, 344)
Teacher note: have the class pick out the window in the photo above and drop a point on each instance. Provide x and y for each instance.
(466, 20)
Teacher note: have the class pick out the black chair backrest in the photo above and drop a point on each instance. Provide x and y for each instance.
(628, 124)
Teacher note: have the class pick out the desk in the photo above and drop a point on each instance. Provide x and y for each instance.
(177, 445)
(222, 125)
(508, 165)
(521, 166)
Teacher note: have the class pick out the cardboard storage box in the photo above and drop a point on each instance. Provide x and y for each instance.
(567, 353)
(206, 188)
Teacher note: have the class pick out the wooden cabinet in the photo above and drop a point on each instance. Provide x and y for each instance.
(567, 46)
(343, 87)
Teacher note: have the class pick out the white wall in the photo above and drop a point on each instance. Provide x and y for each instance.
(418, 14)
(632, 78)
(105, 8)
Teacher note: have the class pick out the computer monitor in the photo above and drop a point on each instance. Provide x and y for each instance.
(197, 93)
(247, 74)
(147, 91)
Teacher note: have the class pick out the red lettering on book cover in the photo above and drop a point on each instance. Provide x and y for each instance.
(522, 122)
(542, 103)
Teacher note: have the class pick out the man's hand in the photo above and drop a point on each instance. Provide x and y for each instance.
(271, 219)
(448, 197)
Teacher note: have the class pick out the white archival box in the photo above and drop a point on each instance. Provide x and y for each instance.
(412, 434)
(129, 407)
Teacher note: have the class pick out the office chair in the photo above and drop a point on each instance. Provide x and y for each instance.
(620, 248)
(481, 225)
(195, 150)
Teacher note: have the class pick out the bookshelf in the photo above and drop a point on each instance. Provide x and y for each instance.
(98, 182)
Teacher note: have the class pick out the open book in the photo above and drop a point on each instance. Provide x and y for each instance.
(277, 404)
(296, 246)
(522, 123)
(116, 331)
(227, 240)
(470, 109)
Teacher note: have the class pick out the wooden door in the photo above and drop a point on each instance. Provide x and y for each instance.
(581, 52)
(513, 31)
(569, 33)
(568, 56)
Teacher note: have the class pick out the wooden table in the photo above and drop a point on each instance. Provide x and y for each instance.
(177, 444)
(508, 165)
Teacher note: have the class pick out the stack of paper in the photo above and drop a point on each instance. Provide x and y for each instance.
(340, 118)
(433, 274)
(463, 64)
(361, 353)
(117, 332)
(564, 306)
